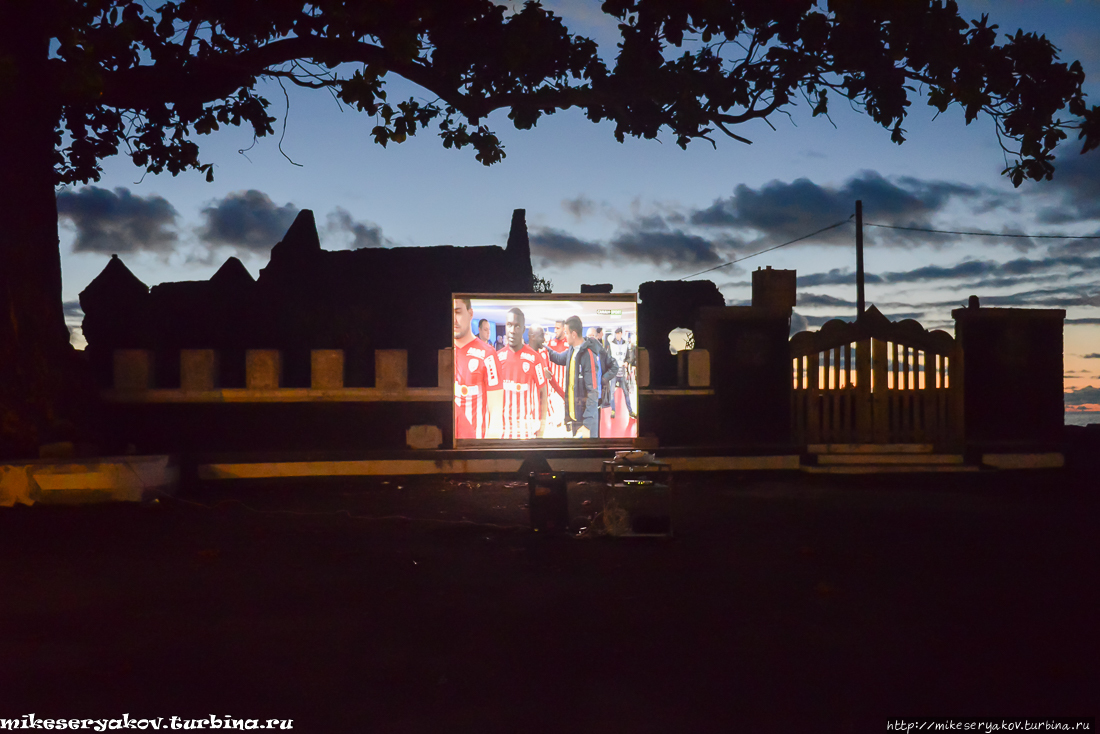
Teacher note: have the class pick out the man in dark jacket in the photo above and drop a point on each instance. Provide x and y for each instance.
(585, 361)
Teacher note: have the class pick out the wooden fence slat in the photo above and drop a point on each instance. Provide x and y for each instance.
(877, 390)
(796, 402)
(848, 366)
(813, 413)
(905, 367)
(941, 414)
(880, 395)
(837, 416)
(907, 393)
(956, 387)
(892, 348)
(927, 430)
(864, 431)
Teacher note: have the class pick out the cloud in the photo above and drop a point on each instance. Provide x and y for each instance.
(673, 247)
(1075, 191)
(1067, 297)
(986, 284)
(734, 283)
(1089, 244)
(835, 277)
(247, 220)
(798, 323)
(555, 247)
(117, 221)
(992, 274)
(581, 207)
(816, 299)
(813, 321)
(364, 234)
(782, 211)
(1077, 184)
(1083, 396)
(72, 310)
(1094, 355)
(74, 318)
(1084, 295)
(966, 269)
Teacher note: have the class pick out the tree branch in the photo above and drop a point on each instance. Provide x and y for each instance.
(208, 80)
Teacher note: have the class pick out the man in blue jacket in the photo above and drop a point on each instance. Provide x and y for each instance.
(583, 379)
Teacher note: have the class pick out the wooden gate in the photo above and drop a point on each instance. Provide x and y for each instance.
(876, 381)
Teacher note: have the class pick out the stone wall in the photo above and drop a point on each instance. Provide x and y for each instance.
(1012, 375)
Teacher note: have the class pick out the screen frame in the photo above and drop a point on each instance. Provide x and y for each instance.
(624, 442)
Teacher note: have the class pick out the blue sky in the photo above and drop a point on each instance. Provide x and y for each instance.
(644, 210)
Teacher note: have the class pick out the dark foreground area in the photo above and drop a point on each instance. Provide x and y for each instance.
(783, 604)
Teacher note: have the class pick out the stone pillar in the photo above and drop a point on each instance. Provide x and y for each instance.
(774, 290)
(327, 369)
(263, 368)
(198, 369)
(641, 369)
(133, 369)
(391, 369)
(447, 367)
(698, 368)
(1009, 376)
(423, 437)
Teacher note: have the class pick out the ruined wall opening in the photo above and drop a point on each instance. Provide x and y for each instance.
(680, 340)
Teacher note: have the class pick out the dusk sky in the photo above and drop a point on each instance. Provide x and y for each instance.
(600, 211)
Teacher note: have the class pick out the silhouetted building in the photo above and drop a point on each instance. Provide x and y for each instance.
(331, 320)
(306, 298)
(747, 404)
(116, 316)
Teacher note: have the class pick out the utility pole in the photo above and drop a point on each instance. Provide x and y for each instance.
(860, 304)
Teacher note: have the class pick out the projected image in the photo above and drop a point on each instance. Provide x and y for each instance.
(545, 367)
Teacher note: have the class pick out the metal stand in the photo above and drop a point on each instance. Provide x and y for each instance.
(637, 500)
(547, 502)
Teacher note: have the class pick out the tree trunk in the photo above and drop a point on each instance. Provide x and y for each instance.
(35, 355)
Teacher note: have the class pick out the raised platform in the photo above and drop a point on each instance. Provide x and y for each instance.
(139, 478)
(916, 458)
(464, 463)
(869, 458)
(1049, 460)
(72, 481)
(890, 468)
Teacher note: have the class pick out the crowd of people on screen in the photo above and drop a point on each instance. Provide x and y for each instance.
(557, 387)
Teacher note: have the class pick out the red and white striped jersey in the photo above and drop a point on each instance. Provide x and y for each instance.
(551, 380)
(521, 373)
(558, 370)
(555, 393)
(476, 373)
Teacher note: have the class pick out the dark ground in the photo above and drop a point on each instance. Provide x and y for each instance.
(783, 604)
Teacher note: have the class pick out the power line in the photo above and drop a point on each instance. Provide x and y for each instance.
(989, 234)
(761, 252)
(890, 226)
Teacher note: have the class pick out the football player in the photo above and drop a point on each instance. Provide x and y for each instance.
(478, 389)
(524, 409)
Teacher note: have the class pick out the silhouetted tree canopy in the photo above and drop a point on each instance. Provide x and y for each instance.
(84, 80)
(151, 81)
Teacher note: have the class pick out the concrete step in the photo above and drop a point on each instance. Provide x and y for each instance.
(870, 448)
(889, 459)
(890, 468)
